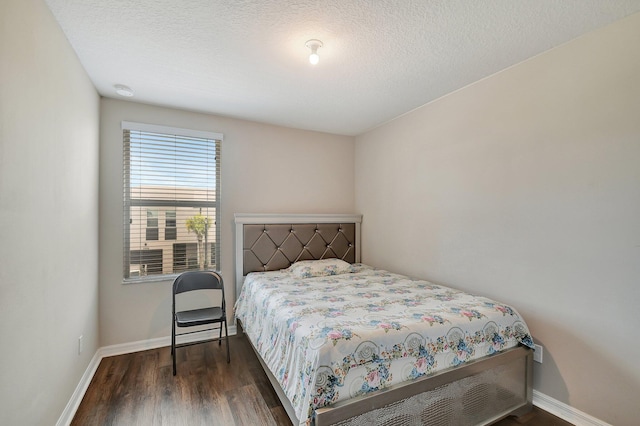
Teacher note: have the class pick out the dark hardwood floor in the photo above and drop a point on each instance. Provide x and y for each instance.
(139, 389)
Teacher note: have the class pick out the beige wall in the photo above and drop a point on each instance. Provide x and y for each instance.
(526, 187)
(265, 169)
(49, 114)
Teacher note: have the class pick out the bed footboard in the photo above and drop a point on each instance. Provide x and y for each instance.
(479, 393)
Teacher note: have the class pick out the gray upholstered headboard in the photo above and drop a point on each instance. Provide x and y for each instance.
(275, 241)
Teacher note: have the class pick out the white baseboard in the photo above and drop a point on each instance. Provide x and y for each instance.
(564, 411)
(159, 342)
(73, 404)
(120, 349)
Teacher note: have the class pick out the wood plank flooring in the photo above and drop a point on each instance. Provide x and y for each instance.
(139, 389)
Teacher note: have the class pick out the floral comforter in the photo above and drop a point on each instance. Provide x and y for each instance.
(331, 338)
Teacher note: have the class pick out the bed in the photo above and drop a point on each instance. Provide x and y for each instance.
(345, 343)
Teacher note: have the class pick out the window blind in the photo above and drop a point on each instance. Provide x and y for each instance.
(171, 201)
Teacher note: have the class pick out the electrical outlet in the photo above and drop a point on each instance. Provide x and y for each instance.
(537, 354)
(80, 345)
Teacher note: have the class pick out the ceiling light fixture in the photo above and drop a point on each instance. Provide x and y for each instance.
(123, 90)
(314, 44)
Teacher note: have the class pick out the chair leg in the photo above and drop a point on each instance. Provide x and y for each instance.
(220, 337)
(226, 337)
(173, 346)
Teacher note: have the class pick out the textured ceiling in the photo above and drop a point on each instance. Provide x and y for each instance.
(381, 58)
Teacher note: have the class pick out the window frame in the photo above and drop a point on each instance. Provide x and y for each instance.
(217, 139)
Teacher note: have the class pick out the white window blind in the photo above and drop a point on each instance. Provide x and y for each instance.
(171, 201)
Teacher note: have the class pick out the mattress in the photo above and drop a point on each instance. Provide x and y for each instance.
(334, 337)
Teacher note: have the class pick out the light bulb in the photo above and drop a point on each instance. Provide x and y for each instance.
(313, 45)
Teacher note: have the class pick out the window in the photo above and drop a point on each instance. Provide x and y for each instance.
(152, 224)
(171, 174)
(184, 257)
(170, 230)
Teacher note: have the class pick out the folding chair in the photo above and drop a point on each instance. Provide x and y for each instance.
(192, 281)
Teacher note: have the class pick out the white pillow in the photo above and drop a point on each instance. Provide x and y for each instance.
(320, 268)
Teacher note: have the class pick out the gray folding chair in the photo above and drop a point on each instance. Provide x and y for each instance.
(192, 281)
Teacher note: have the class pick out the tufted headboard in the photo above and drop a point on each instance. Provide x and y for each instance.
(268, 242)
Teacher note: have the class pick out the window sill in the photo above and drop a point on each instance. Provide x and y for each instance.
(150, 279)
